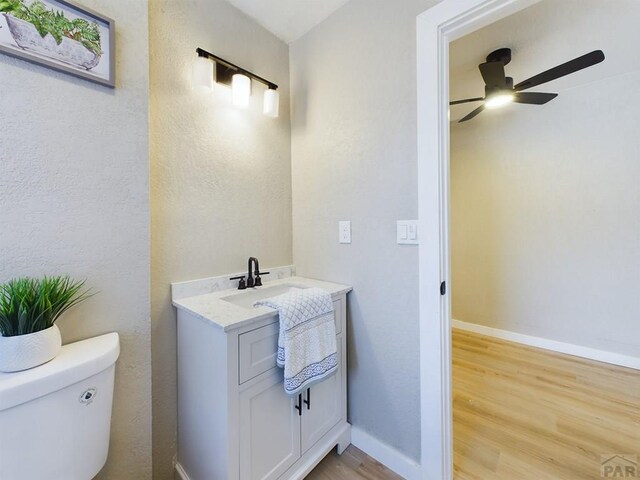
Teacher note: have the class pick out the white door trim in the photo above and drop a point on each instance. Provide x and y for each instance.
(436, 27)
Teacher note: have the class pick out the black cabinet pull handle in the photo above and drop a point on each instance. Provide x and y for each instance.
(299, 405)
(308, 400)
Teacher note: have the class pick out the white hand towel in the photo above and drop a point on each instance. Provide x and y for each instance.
(307, 342)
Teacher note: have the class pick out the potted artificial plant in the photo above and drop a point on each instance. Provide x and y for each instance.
(29, 308)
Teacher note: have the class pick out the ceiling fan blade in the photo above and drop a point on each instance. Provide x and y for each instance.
(466, 100)
(493, 74)
(534, 98)
(472, 114)
(567, 68)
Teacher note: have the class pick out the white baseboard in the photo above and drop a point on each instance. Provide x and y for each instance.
(388, 456)
(553, 345)
(180, 473)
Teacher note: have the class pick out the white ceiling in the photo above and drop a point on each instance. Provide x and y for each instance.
(543, 36)
(288, 19)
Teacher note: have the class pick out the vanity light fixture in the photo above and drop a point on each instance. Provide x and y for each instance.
(271, 106)
(202, 75)
(240, 90)
(238, 78)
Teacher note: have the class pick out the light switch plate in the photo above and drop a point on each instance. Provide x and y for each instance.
(344, 231)
(407, 232)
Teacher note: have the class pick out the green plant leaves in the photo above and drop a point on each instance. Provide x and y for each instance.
(55, 23)
(10, 6)
(30, 305)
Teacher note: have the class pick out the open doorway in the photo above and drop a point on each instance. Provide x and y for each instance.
(545, 250)
(565, 169)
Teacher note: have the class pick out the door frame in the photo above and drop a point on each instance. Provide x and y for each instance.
(436, 27)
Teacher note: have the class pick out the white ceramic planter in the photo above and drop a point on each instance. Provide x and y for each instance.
(27, 351)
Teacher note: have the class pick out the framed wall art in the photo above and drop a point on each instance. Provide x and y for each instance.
(60, 34)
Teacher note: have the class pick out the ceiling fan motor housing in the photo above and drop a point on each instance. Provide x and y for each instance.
(508, 85)
(501, 55)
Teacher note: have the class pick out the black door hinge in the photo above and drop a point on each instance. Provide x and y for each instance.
(443, 288)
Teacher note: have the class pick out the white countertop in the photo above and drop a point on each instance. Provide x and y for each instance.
(228, 316)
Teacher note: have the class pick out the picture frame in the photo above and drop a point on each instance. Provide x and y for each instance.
(62, 35)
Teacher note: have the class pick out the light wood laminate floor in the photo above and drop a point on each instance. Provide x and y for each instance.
(530, 414)
(523, 413)
(353, 464)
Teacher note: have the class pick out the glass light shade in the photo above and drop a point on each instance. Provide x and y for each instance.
(240, 90)
(202, 75)
(499, 100)
(271, 106)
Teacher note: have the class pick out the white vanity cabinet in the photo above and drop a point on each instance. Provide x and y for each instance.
(235, 421)
(269, 429)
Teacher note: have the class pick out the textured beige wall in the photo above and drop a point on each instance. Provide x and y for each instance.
(74, 200)
(545, 200)
(354, 158)
(221, 181)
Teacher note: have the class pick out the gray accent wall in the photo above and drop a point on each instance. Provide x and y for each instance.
(354, 158)
(74, 199)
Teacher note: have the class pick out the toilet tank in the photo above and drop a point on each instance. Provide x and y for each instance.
(55, 419)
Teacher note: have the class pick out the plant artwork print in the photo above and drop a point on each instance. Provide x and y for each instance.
(60, 35)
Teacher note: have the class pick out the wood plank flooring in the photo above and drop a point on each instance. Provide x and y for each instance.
(522, 413)
(353, 464)
(525, 413)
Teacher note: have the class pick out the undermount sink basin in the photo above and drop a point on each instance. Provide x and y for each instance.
(249, 296)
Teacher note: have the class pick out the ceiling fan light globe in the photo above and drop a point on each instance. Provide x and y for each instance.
(499, 100)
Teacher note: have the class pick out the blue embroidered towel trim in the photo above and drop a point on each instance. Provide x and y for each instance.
(307, 347)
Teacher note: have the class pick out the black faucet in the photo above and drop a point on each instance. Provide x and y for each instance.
(258, 280)
(251, 280)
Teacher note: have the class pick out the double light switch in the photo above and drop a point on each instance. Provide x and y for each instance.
(407, 232)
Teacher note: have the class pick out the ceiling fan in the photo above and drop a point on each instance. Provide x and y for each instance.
(500, 90)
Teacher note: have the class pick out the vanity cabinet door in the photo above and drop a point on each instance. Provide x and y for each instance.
(322, 406)
(269, 429)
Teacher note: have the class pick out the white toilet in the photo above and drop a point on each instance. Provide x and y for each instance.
(55, 419)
